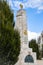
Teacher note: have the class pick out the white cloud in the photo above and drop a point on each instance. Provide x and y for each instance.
(40, 8)
(10, 3)
(32, 35)
(26, 4)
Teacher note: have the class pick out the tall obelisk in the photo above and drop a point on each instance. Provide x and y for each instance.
(21, 26)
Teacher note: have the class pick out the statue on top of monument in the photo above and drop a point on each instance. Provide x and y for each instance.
(21, 6)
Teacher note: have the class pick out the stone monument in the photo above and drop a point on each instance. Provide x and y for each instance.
(26, 55)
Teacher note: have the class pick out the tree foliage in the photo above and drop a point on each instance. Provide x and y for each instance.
(42, 50)
(34, 46)
(9, 38)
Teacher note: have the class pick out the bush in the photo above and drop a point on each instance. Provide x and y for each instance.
(34, 46)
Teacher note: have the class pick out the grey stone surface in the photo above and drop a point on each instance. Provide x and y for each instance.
(21, 26)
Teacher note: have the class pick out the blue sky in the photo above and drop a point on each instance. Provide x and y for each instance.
(35, 20)
(34, 12)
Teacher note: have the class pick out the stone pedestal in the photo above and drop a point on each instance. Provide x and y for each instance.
(24, 52)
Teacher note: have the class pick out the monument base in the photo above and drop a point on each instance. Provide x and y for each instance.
(26, 56)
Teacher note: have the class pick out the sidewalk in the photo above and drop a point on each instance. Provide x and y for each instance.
(39, 62)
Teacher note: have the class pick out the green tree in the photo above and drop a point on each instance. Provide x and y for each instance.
(34, 46)
(42, 50)
(9, 38)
